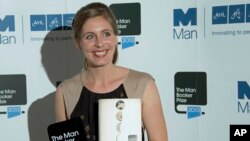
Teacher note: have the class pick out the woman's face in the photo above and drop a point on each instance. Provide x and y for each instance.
(98, 42)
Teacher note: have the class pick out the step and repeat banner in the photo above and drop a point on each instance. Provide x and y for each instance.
(197, 51)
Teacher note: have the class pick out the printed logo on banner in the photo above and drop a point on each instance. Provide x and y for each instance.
(190, 17)
(237, 13)
(54, 22)
(248, 13)
(13, 92)
(51, 22)
(128, 23)
(228, 15)
(7, 23)
(219, 15)
(38, 22)
(14, 111)
(128, 42)
(7, 27)
(239, 132)
(185, 23)
(190, 93)
(67, 21)
(243, 97)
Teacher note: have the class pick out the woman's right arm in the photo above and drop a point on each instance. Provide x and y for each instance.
(60, 111)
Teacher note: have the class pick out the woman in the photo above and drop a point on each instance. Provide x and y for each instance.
(95, 33)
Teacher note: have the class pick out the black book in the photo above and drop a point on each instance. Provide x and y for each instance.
(69, 130)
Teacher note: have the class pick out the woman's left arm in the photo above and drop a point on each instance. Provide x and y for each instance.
(152, 114)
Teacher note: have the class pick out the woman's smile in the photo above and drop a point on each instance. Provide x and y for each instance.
(101, 54)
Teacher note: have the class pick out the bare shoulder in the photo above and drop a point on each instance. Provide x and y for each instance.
(59, 105)
(141, 76)
(151, 93)
(68, 88)
(152, 113)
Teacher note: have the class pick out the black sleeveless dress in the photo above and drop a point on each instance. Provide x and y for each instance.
(79, 101)
(87, 109)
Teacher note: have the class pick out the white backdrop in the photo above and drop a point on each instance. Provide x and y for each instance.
(46, 57)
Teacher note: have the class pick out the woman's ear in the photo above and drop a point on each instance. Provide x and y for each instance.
(77, 44)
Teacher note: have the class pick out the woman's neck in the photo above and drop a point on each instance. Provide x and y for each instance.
(100, 75)
(102, 80)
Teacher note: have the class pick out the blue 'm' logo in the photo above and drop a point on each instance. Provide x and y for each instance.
(8, 22)
(243, 90)
(193, 112)
(237, 13)
(185, 18)
(128, 42)
(13, 111)
(38, 22)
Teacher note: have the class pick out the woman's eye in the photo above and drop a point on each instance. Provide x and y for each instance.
(90, 37)
(107, 34)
